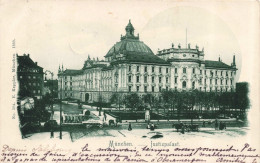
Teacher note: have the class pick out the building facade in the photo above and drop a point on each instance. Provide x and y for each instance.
(30, 77)
(131, 66)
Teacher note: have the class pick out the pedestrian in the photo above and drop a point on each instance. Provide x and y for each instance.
(129, 127)
(183, 129)
(204, 124)
(152, 127)
(148, 126)
(216, 124)
(105, 116)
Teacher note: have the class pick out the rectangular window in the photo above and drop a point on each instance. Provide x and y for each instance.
(167, 88)
(129, 79)
(34, 77)
(137, 79)
(129, 68)
(71, 78)
(70, 83)
(167, 70)
(145, 79)
(145, 88)
(200, 72)
(160, 79)
(226, 73)
(221, 73)
(34, 91)
(193, 70)
(160, 70)
(137, 88)
(152, 79)
(175, 80)
(216, 81)
(29, 77)
(175, 70)
(145, 69)
(226, 82)
(184, 70)
(160, 89)
(210, 81)
(205, 72)
(152, 69)
(205, 81)
(39, 91)
(137, 68)
(216, 73)
(152, 88)
(221, 81)
(129, 88)
(231, 81)
(167, 79)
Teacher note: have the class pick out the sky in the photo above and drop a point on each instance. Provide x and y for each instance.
(56, 33)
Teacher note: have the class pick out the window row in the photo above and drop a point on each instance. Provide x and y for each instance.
(145, 88)
(145, 79)
(145, 69)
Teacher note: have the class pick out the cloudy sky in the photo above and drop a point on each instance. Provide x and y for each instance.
(67, 32)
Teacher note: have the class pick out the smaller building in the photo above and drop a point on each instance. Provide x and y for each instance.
(30, 77)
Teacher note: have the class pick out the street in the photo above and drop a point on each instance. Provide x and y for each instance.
(78, 131)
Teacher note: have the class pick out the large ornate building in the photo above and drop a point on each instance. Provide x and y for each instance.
(131, 66)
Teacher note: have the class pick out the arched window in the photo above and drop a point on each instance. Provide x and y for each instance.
(184, 84)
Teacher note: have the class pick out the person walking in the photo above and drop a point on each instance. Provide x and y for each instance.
(129, 127)
(204, 124)
(105, 116)
(216, 124)
(152, 127)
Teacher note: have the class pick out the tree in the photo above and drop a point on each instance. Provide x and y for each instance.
(149, 99)
(133, 101)
(242, 100)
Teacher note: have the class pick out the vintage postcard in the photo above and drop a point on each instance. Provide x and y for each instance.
(129, 81)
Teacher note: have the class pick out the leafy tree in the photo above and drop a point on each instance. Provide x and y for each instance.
(242, 100)
(133, 101)
(149, 99)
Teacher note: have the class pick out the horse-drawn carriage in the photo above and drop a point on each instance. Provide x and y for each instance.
(181, 126)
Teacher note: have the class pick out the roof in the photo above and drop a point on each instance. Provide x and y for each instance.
(216, 64)
(93, 64)
(142, 58)
(72, 72)
(175, 50)
(129, 46)
(26, 61)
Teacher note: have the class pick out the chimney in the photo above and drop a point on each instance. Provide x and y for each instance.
(36, 63)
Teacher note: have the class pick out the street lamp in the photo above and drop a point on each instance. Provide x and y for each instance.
(61, 106)
(52, 112)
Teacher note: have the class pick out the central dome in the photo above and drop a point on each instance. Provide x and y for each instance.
(130, 44)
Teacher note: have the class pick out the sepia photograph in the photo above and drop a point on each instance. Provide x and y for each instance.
(130, 81)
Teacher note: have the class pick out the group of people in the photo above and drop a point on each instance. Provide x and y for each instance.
(220, 125)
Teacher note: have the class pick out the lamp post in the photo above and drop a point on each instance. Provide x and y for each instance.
(61, 106)
(52, 112)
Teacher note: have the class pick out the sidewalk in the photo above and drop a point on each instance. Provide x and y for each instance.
(45, 136)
